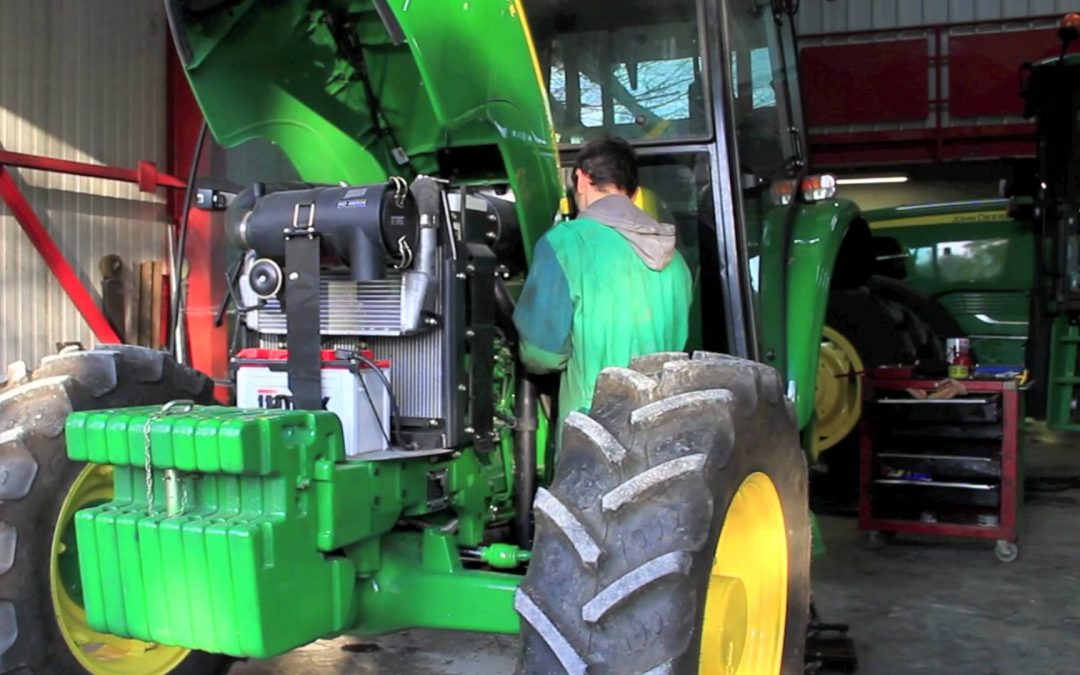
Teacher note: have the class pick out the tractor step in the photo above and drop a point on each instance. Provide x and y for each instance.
(1064, 376)
(828, 647)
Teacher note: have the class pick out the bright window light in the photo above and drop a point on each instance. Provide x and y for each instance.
(871, 180)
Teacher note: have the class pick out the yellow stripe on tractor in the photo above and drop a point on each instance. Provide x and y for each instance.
(942, 219)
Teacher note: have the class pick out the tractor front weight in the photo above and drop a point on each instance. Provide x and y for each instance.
(249, 533)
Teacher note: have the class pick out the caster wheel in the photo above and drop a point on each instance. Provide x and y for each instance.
(1006, 551)
(876, 540)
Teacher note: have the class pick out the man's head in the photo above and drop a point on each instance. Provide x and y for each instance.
(606, 166)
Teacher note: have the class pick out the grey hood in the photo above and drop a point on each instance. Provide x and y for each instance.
(654, 242)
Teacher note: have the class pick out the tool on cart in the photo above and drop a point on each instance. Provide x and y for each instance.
(959, 354)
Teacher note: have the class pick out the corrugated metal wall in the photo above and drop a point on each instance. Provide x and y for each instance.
(836, 16)
(80, 80)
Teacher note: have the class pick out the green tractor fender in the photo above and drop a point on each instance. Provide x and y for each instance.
(820, 232)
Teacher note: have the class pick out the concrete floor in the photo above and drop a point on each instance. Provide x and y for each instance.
(918, 606)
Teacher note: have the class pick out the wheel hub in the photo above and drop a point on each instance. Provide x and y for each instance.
(746, 602)
(838, 399)
(98, 653)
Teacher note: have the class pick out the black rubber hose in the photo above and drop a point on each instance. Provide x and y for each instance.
(428, 195)
(504, 316)
(525, 459)
(525, 412)
(178, 255)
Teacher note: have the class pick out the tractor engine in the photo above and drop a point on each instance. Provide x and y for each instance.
(409, 275)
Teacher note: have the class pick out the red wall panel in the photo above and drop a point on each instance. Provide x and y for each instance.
(865, 83)
(984, 70)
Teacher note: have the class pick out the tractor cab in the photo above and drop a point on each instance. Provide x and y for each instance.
(1051, 93)
(708, 93)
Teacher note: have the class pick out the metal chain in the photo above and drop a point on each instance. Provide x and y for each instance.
(181, 406)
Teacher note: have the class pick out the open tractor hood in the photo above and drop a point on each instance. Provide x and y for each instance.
(356, 91)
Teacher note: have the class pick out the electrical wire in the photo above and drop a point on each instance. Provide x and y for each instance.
(352, 50)
(395, 416)
(375, 412)
(232, 277)
(178, 254)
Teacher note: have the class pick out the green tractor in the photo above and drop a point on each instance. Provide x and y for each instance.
(148, 528)
(1005, 273)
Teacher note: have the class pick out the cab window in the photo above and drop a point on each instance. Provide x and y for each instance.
(636, 72)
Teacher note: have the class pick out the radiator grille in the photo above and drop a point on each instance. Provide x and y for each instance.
(416, 367)
(368, 315)
(345, 307)
(416, 372)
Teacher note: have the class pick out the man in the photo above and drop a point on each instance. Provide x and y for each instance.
(605, 287)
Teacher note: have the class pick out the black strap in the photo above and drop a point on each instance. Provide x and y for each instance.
(302, 321)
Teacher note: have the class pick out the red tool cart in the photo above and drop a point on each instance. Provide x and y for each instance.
(944, 466)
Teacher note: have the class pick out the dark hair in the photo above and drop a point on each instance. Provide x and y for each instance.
(609, 160)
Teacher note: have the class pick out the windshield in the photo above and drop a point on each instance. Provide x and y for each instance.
(636, 72)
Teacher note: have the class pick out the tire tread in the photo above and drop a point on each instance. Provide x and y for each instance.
(34, 406)
(650, 510)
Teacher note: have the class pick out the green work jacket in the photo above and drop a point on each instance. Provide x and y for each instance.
(591, 301)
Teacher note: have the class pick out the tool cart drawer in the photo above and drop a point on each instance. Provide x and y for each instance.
(939, 466)
(900, 408)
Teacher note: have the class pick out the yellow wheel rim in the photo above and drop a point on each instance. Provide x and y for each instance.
(746, 604)
(838, 399)
(98, 653)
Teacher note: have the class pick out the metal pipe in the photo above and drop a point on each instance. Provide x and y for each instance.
(177, 263)
(418, 295)
(525, 413)
(146, 176)
(52, 255)
(525, 459)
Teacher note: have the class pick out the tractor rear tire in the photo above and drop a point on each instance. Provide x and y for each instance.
(884, 330)
(680, 462)
(36, 478)
(886, 322)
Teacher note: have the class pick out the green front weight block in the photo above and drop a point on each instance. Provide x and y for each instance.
(279, 540)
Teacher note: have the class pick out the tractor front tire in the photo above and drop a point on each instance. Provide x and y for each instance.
(42, 627)
(883, 323)
(675, 536)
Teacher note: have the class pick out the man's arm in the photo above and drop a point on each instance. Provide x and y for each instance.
(544, 313)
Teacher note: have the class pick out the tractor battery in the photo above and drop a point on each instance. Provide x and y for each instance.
(350, 389)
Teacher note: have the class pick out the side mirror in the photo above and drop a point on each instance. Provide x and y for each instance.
(751, 182)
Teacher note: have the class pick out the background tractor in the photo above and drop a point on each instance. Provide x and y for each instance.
(376, 458)
(1003, 272)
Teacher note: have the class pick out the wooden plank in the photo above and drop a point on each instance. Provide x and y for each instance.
(144, 318)
(112, 293)
(157, 268)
